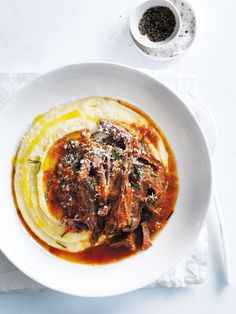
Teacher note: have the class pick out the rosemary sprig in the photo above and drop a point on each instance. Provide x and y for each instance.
(38, 162)
(48, 188)
(139, 170)
(61, 244)
(89, 186)
(135, 184)
(151, 172)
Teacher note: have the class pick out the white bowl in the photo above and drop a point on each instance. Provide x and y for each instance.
(193, 161)
(136, 16)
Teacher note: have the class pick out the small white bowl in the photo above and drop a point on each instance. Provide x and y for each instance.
(136, 16)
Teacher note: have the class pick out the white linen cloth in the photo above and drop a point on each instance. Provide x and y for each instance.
(189, 271)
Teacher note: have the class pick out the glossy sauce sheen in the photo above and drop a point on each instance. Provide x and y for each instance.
(103, 254)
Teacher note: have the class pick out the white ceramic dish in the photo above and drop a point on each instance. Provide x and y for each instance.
(186, 139)
(137, 14)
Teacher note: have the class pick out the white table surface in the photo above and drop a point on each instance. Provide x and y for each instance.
(37, 36)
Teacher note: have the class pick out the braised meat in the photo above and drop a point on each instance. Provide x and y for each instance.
(110, 184)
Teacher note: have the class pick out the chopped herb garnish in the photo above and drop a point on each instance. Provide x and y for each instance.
(38, 162)
(89, 186)
(151, 172)
(48, 188)
(135, 184)
(115, 153)
(61, 244)
(139, 170)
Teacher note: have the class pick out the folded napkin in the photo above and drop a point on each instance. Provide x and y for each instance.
(190, 270)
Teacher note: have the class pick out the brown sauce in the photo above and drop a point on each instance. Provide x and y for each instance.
(103, 254)
(97, 255)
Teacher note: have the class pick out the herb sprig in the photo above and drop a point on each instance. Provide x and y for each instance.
(48, 188)
(135, 184)
(140, 169)
(151, 172)
(61, 244)
(89, 186)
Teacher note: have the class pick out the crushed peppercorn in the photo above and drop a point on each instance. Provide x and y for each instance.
(158, 23)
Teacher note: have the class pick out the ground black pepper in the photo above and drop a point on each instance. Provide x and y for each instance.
(158, 23)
